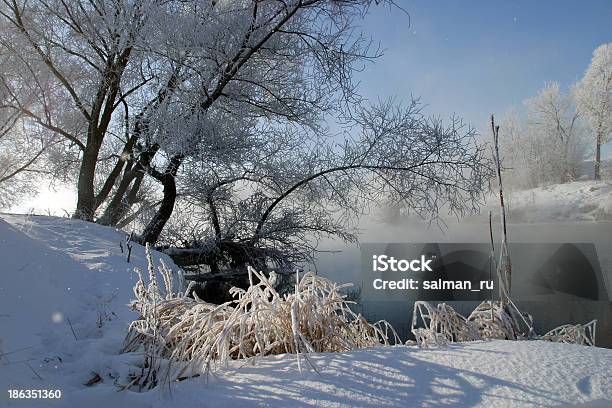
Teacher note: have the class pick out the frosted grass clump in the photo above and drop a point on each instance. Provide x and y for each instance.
(183, 336)
(440, 325)
(583, 334)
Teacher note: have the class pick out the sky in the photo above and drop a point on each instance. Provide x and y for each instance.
(474, 58)
(470, 58)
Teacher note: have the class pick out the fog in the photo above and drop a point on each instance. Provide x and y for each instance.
(549, 311)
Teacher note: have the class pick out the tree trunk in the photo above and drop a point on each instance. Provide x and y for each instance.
(120, 203)
(156, 225)
(116, 208)
(597, 174)
(129, 201)
(86, 198)
(111, 180)
(504, 266)
(569, 171)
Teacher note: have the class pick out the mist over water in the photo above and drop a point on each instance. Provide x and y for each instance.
(549, 310)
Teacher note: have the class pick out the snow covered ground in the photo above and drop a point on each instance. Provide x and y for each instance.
(64, 286)
(577, 201)
(477, 374)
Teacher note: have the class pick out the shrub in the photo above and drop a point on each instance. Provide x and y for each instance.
(183, 336)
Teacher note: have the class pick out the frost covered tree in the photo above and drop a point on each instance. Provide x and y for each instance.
(594, 99)
(116, 65)
(222, 108)
(22, 148)
(19, 154)
(89, 53)
(553, 121)
(244, 65)
(274, 205)
(547, 145)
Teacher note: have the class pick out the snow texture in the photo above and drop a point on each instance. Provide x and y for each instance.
(60, 276)
(577, 201)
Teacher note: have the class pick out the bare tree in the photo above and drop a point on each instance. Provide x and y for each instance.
(553, 118)
(124, 71)
(223, 105)
(273, 209)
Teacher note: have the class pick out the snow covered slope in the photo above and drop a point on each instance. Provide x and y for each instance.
(64, 285)
(577, 201)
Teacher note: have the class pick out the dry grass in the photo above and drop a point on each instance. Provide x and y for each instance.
(438, 326)
(441, 325)
(583, 334)
(494, 321)
(183, 336)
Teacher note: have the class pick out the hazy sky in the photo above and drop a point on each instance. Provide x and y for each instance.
(475, 58)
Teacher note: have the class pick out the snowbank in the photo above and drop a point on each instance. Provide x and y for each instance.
(577, 201)
(64, 285)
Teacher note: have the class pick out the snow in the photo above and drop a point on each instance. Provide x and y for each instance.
(476, 374)
(577, 201)
(60, 275)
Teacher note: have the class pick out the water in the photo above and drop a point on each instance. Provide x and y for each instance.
(557, 305)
